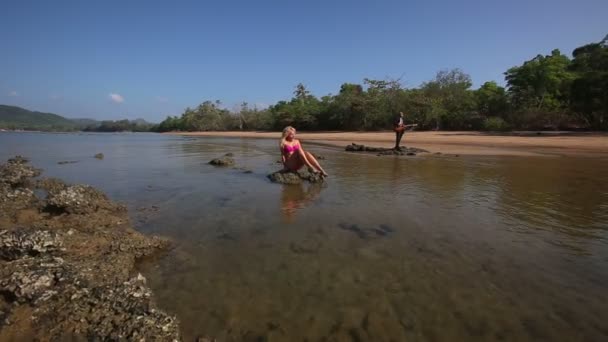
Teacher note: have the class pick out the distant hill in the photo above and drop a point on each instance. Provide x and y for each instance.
(12, 117)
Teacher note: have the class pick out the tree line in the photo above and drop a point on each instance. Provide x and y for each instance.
(551, 91)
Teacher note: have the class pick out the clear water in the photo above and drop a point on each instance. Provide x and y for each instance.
(429, 248)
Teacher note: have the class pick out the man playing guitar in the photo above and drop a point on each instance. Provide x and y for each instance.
(399, 127)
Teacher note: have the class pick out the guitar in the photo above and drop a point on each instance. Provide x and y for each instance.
(401, 128)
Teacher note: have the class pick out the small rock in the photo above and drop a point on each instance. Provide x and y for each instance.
(224, 161)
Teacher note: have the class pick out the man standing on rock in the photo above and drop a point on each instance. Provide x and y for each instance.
(399, 127)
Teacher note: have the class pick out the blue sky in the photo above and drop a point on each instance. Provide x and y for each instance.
(130, 59)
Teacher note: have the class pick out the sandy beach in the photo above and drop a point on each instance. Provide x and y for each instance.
(467, 143)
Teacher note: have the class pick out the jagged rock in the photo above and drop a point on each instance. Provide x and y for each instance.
(79, 199)
(224, 161)
(16, 171)
(52, 185)
(99, 156)
(290, 177)
(15, 244)
(12, 200)
(72, 271)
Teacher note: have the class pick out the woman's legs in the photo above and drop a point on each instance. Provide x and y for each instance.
(314, 161)
(293, 163)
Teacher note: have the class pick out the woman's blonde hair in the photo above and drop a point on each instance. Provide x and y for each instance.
(286, 131)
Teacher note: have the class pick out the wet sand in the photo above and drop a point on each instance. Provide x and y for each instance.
(466, 143)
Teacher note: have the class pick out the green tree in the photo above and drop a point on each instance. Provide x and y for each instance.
(589, 91)
(451, 103)
(540, 83)
(347, 109)
(491, 100)
(302, 111)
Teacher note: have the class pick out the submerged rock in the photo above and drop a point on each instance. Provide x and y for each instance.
(291, 177)
(63, 162)
(99, 156)
(223, 161)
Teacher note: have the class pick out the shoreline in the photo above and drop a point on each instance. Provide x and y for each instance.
(575, 144)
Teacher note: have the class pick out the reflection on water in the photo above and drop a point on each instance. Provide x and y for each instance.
(298, 196)
(422, 248)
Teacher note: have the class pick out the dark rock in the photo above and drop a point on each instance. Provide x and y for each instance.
(367, 233)
(384, 151)
(306, 246)
(224, 161)
(386, 228)
(99, 156)
(229, 154)
(67, 162)
(291, 177)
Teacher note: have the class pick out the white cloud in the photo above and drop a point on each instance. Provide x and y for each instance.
(162, 99)
(13, 94)
(117, 98)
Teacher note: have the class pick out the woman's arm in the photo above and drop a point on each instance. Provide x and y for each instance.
(283, 159)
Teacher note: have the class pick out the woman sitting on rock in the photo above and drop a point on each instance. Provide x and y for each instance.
(294, 156)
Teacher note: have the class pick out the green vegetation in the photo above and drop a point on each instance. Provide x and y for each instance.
(546, 92)
(138, 125)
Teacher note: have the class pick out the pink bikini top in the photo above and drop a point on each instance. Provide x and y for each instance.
(290, 149)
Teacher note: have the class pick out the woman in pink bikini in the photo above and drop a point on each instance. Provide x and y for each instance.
(294, 156)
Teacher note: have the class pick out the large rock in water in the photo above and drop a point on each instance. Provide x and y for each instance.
(291, 177)
(381, 151)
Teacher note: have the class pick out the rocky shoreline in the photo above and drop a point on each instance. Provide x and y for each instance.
(67, 264)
